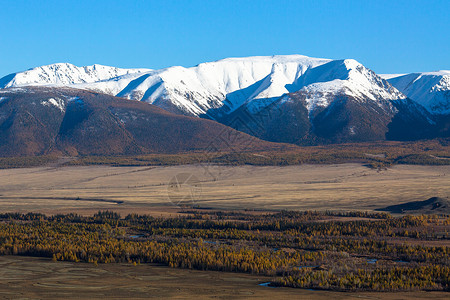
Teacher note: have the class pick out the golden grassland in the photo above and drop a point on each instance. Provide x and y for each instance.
(349, 186)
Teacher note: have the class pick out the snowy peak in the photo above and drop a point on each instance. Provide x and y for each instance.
(321, 84)
(350, 74)
(429, 89)
(64, 74)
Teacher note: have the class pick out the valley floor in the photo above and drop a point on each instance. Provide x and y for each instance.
(87, 189)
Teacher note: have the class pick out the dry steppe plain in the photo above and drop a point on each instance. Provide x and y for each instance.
(87, 189)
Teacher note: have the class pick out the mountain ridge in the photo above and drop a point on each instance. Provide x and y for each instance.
(309, 100)
(43, 120)
(60, 74)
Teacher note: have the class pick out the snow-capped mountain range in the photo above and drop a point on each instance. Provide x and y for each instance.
(341, 96)
(237, 81)
(231, 82)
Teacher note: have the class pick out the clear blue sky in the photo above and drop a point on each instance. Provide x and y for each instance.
(387, 36)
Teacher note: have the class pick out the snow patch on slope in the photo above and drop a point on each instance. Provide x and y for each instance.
(58, 103)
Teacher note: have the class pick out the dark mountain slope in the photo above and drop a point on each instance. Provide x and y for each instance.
(38, 120)
(345, 119)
